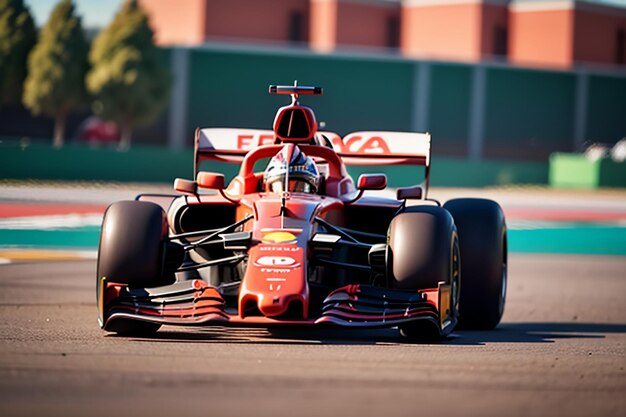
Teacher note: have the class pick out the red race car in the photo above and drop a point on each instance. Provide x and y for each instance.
(293, 241)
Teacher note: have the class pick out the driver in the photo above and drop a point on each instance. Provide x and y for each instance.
(303, 175)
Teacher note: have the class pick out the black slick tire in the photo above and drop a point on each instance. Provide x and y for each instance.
(131, 251)
(483, 242)
(422, 251)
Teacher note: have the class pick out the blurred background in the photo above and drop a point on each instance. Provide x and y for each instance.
(513, 91)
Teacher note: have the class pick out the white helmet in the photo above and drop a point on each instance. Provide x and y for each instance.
(301, 173)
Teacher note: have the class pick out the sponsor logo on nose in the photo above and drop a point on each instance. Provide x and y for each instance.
(282, 261)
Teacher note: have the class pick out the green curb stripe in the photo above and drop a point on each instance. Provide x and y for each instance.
(84, 237)
(592, 240)
(588, 240)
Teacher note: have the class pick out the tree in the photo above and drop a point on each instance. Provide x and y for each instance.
(17, 37)
(57, 66)
(128, 80)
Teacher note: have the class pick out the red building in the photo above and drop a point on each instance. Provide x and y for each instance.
(562, 33)
(341, 24)
(552, 33)
(193, 22)
(467, 30)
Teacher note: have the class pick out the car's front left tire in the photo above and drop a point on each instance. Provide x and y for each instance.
(132, 250)
(423, 250)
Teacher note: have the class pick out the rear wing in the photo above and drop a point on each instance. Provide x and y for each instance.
(228, 144)
(358, 148)
(376, 148)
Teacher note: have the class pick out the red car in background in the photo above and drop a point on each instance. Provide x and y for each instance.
(95, 130)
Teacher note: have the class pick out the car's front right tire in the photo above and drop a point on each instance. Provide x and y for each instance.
(483, 240)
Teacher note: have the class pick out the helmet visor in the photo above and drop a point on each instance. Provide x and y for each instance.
(295, 186)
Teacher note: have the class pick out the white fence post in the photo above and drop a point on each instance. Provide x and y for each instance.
(177, 118)
(420, 97)
(580, 111)
(477, 112)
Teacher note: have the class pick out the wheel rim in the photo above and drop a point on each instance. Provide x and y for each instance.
(504, 273)
(503, 291)
(456, 275)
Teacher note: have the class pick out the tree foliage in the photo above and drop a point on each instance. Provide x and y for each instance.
(57, 66)
(128, 78)
(17, 37)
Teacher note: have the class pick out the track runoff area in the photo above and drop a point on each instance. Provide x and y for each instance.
(559, 349)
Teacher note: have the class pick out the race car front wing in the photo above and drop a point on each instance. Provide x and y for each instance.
(196, 303)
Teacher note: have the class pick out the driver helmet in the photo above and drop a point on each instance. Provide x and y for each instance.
(301, 173)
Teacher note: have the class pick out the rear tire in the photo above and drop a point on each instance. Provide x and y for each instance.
(423, 249)
(483, 241)
(131, 251)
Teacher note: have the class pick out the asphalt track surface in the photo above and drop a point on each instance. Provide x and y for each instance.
(560, 350)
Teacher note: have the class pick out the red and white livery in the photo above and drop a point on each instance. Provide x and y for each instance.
(298, 243)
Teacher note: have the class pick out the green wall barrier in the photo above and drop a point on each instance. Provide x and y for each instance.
(156, 164)
(81, 162)
(458, 172)
(606, 109)
(229, 88)
(448, 106)
(529, 113)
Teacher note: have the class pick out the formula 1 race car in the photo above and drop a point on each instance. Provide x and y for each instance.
(298, 243)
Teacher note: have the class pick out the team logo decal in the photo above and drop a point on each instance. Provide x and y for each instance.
(279, 237)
